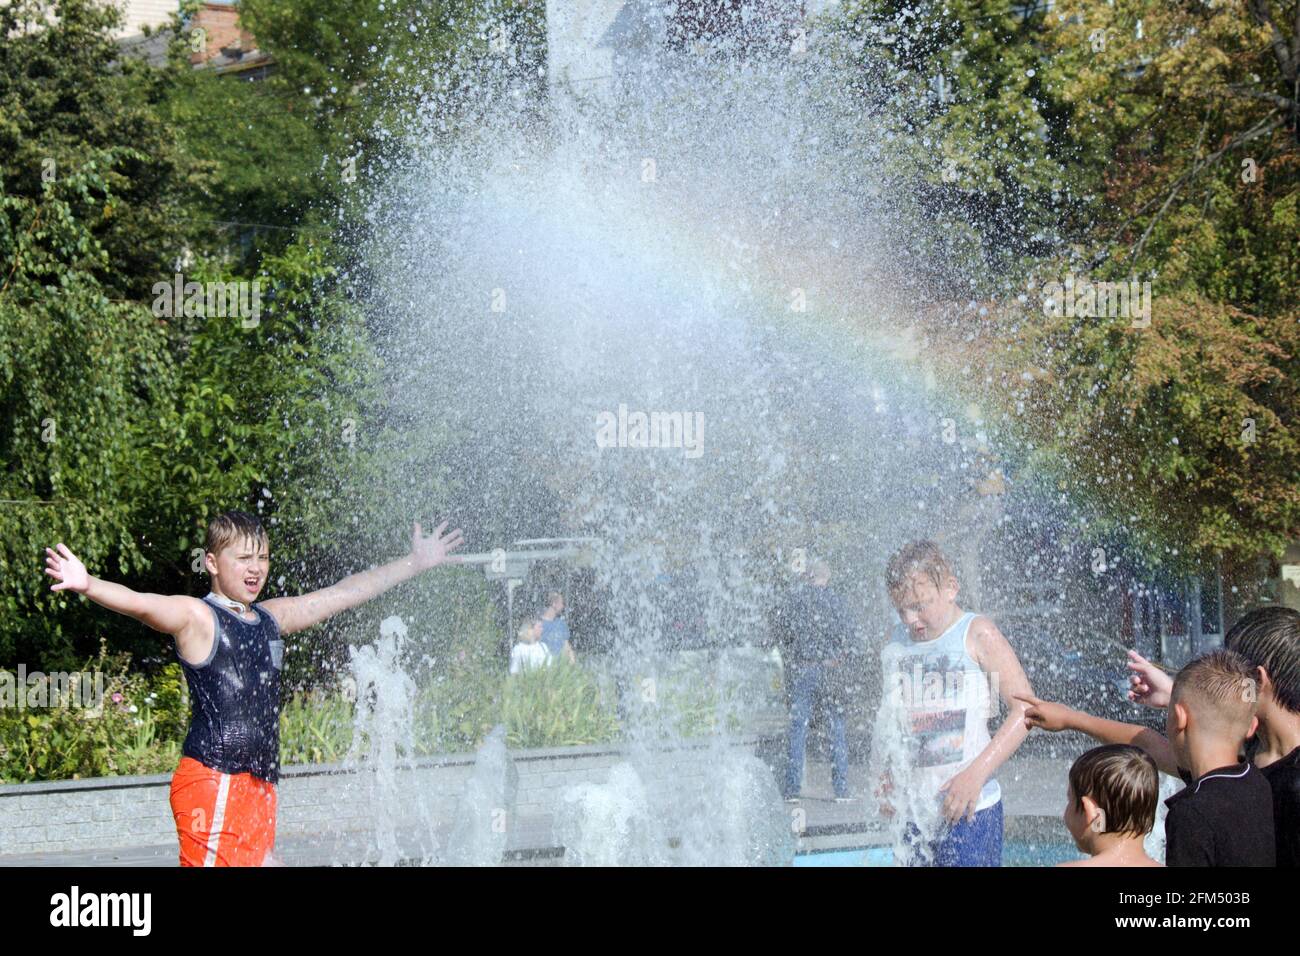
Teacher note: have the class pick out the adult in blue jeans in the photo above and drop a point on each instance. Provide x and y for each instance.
(819, 629)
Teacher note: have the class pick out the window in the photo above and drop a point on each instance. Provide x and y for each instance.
(1211, 588)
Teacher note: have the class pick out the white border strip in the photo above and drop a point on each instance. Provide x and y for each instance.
(218, 821)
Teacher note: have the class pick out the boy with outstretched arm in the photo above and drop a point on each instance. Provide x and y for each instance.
(941, 668)
(223, 794)
(1269, 638)
(1224, 816)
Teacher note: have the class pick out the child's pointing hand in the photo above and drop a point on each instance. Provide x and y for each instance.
(1045, 715)
(1151, 685)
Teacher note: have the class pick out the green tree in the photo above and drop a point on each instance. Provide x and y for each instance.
(87, 175)
(991, 166)
(69, 101)
(125, 425)
(1189, 425)
(1133, 140)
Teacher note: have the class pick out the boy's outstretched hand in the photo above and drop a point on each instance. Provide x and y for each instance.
(67, 569)
(1151, 685)
(435, 549)
(1046, 715)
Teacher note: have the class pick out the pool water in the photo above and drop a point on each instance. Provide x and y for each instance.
(1014, 853)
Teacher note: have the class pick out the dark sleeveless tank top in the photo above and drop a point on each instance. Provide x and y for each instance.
(235, 696)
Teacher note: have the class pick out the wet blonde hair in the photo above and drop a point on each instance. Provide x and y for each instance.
(917, 559)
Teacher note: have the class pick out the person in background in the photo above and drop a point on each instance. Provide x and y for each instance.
(555, 633)
(820, 631)
(530, 653)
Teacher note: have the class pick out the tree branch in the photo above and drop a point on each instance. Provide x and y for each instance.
(1275, 98)
(1264, 126)
(1259, 10)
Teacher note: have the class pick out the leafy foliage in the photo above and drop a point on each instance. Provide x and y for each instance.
(86, 177)
(556, 706)
(1111, 142)
(137, 729)
(122, 430)
(1185, 430)
(1115, 140)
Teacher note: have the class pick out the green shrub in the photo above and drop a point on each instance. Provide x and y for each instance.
(144, 718)
(315, 728)
(560, 706)
(137, 729)
(455, 711)
(694, 705)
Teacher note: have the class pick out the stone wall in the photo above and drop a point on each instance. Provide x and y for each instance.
(78, 816)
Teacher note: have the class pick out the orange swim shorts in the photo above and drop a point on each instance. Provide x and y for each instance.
(222, 819)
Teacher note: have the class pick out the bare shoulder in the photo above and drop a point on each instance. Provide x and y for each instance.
(195, 637)
(274, 604)
(986, 638)
(281, 610)
(993, 652)
(197, 613)
(982, 627)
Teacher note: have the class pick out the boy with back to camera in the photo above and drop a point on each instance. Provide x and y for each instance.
(942, 667)
(223, 794)
(1110, 805)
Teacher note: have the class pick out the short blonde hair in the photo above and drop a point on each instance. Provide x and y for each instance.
(917, 559)
(526, 627)
(233, 527)
(1220, 688)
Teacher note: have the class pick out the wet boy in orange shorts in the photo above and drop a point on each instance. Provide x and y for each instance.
(223, 793)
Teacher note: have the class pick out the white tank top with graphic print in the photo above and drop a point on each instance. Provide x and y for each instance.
(946, 700)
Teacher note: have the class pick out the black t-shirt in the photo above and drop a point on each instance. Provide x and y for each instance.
(1284, 777)
(1225, 818)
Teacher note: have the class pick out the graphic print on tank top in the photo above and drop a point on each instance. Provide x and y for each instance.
(933, 689)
